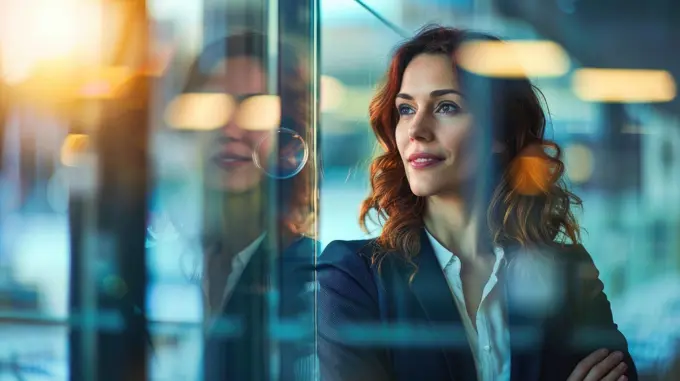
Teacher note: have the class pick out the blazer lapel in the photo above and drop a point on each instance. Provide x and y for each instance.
(432, 291)
(247, 302)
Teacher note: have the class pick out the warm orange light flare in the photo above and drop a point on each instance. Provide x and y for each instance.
(514, 59)
(199, 111)
(626, 86)
(532, 172)
(39, 31)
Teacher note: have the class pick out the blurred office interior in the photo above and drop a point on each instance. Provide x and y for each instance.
(89, 155)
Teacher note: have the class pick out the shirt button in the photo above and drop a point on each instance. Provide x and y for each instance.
(487, 348)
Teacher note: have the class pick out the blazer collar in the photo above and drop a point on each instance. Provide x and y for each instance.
(432, 291)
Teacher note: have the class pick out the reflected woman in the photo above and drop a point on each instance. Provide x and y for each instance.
(479, 252)
(239, 246)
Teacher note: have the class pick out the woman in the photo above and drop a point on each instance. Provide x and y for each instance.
(239, 247)
(478, 256)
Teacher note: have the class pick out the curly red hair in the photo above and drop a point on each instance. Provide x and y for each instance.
(513, 217)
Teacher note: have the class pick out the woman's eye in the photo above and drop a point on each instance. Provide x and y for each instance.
(405, 110)
(448, 108)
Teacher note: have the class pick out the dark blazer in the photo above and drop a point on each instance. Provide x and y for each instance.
(557, 314)
(247, 357)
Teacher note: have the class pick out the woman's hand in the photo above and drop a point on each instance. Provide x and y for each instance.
(600, 366)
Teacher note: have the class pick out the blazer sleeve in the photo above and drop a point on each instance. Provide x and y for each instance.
(347, 297)
(593, 321)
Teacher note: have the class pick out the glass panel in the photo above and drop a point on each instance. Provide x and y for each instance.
(233, 213)
(157, 203)
(355, 48)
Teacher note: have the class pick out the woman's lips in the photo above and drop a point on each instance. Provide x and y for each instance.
(424, 160)
(229, 161)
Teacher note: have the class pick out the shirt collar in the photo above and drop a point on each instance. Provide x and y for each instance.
(444, 255)
(243, 257)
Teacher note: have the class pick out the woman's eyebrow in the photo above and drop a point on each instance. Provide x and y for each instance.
(433, 94)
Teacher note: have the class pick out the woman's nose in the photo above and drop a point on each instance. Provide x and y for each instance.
(421, 129)
(233, 131)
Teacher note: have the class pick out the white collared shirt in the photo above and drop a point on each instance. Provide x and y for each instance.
(304, 366)
(490, 342)
(238, 265)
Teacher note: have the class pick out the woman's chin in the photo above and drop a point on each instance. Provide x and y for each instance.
(423, 190)
(432, 188)
(233, 185)
(232, 180)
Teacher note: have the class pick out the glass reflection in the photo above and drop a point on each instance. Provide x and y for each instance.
(251, 208)
(288, 161)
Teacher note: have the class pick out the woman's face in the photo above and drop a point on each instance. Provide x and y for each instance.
(229, 164)
(434, 132)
